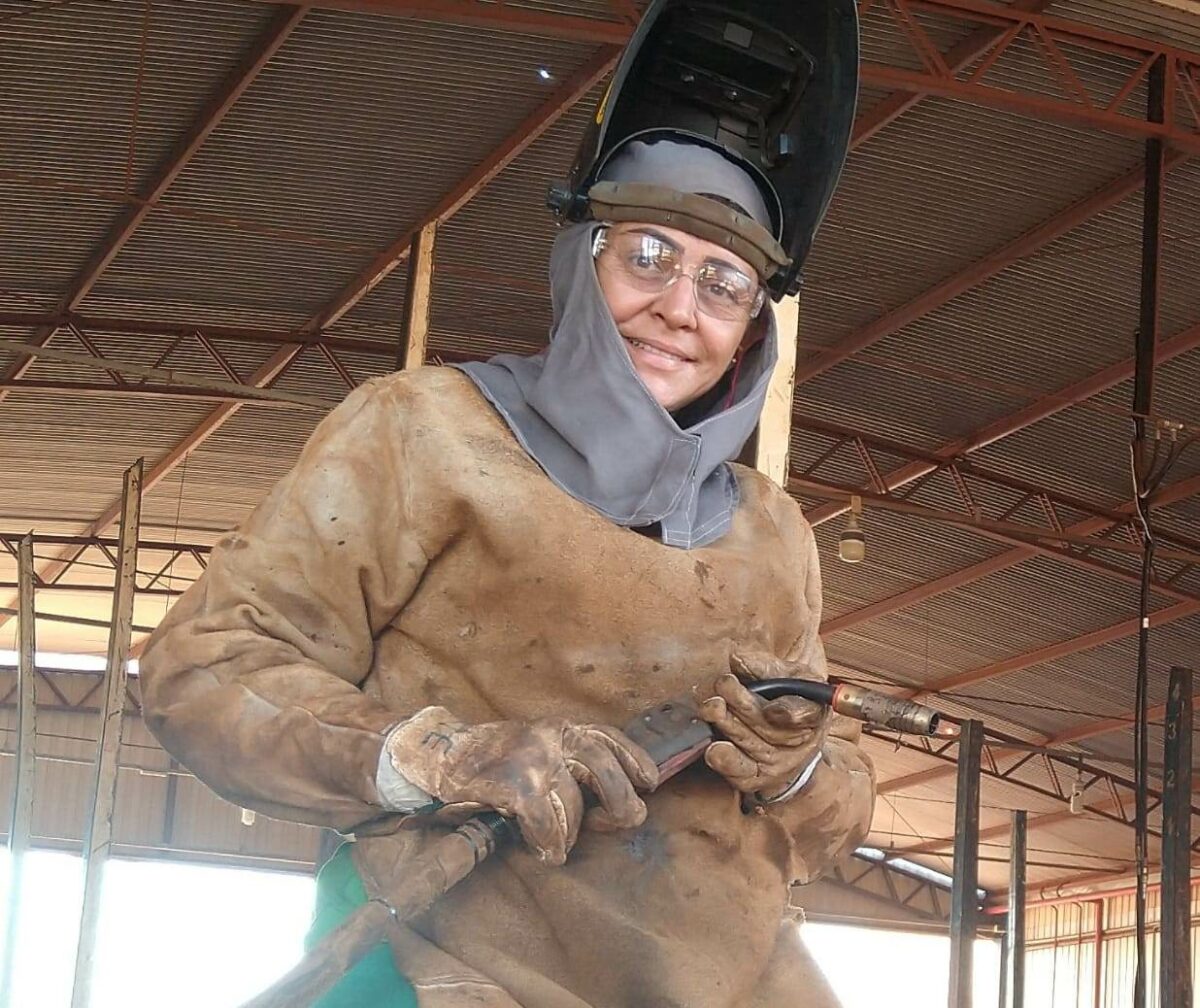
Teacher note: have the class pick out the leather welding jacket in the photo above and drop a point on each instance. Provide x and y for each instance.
(416, 555)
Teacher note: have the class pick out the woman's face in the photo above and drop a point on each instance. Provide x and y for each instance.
(678, 351)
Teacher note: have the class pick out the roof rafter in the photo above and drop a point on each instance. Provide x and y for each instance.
(1078, 733)
(495, 16)
(891, 108)
(534, 125)
(1111, 195)
(1004, 25)
(278, 30)
(1054, 48)
(1181, 490)
(1040, 764)
(982, 480)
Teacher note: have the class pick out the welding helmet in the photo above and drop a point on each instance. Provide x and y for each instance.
(765, 88)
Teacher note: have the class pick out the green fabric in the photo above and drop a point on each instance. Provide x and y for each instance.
(374, 982)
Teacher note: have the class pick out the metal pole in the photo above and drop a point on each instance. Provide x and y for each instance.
(1098, 954)
(1175, 963)
(964, 895)
(22, 809)
(99, 837)
(1016, 910)
(1143, 404)
(1005, 952)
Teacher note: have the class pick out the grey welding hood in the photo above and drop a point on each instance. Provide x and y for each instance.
(768, 85)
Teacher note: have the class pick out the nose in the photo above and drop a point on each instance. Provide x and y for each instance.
(677, 303)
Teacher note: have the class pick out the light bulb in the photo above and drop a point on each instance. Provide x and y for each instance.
(852, 546)
(1075, 802)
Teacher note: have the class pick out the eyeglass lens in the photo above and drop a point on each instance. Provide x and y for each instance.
(649, 264)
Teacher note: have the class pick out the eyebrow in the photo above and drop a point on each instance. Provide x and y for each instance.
(656, 234)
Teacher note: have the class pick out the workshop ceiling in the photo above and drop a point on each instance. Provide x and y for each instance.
(186, 185)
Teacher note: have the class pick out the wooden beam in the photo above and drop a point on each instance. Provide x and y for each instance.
(773, 438)
(104, 796)
(414, 337)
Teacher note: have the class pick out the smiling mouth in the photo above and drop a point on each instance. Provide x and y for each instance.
(665, 355)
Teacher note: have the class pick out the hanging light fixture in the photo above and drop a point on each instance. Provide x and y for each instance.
(1075, 801)
(852, 547)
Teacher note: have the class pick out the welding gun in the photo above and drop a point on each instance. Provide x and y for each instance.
(674, 735)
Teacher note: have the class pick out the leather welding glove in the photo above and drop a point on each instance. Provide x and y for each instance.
(765, 745)
(529, 770)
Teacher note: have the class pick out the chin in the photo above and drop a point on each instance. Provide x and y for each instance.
(669, 399)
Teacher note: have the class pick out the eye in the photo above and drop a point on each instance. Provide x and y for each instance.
(718, 285)
(720, 290)
(648, 255)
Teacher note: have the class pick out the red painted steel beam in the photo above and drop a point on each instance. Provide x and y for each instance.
(1046, 819)
(106, 324)
(279, 29)
(1112, 195)
(1054, 40)
(566, 96)
(494, 16)
(991, 23)
(1078, 733)
(139, 390)
(891, 108)
(570, 92)
(1029, 105)
(626, 10)
(933, 461)
(1181, 490)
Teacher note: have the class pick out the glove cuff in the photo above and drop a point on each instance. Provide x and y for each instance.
(413, 753)
(798, 785)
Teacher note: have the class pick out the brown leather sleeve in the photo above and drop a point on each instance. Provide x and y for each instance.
(252, 679)
(832, 815)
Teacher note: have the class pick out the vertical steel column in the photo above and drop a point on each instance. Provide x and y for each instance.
(964, 896)
(1143, 405)
(1098, 954)
(22, 808)
(1175, 963)
(99, 836)
(1016, 910)
(1005, 952)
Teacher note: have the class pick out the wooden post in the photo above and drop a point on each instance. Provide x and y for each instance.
(775, 428)
(414, 336)
(22, 809)
(99, 836)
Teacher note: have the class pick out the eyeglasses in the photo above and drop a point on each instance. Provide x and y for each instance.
(650, 264)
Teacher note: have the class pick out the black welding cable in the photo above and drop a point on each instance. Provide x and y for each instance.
(1141, 753)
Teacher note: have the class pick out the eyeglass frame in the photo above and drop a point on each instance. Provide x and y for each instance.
(601, 242)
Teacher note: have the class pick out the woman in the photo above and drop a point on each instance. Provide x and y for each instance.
(473, 575)
(422, 613)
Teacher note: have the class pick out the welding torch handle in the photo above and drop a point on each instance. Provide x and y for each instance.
(855, 702)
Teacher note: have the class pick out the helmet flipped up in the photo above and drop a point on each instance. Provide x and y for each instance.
(768, 85)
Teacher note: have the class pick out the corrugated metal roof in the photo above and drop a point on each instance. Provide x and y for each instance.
(360, 124)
